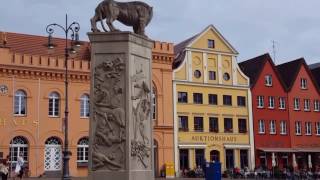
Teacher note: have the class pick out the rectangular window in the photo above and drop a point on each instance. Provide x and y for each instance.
(242, 125)
(228, 126)
(283, 127)
(212, 75)
(183, 123)
(184, 159)
(262, 129)
(298, 127)
(227, 100)
(268, 80)
(182, 97)
(316, 105)
(241, 101)
(282, 103)
(199, 157)
(213, 124)
(271, 102)
(303, 83)
(197, 98)
(307, 105)
(308, 128)
(318, 128)
(260, 101)
(198, 124)
(243, 158)
(296, 104)
(211, 43)
(229, 159)
(213, 99)
(272, 127)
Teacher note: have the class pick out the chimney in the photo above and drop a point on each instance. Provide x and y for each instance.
(3, 39)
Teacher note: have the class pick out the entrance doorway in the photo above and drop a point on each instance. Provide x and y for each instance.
(52, 154)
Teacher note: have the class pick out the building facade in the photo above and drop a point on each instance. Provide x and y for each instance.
(212, 104)
(304, 111)
(270, 113)
(32, 104)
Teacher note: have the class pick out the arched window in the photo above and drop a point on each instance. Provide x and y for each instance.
(20, 103)
(53, 141)
(54, 104)
(214, 155)
(84, 106)
(18, 146)
(154, 103)
(83, 150)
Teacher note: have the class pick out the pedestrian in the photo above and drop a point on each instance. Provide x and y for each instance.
(4, 169)
(19, 166)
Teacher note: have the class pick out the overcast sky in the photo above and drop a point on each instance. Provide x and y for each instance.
(249, 25)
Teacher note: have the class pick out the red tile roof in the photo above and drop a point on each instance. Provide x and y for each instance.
(36, 45)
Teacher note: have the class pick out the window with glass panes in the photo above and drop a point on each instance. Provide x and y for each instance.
(213, 99)
(18, 146)
(244, 158)
(316, 105)
(303, 83)
(198, 123)
(212, 75)
(20, 103)
(260, 101)
(307, 104)
(197, 98)
(242, 125)
(272, 127)
(213, 124)
(271, 102)
(296, 104)
(229, 159)
(283, 127)
(84, 106)
(184, 159)
(318, 128)
(227, 100)
(268, 80)
(261, 127)
(211, 43)
(182, 97)
(54, 103)
(83, 150)
(298, 127)
(241, 101)
(282, 103)
(308, 128)
(228, 126)
(199, 153)
(154, 103)
(183, 123)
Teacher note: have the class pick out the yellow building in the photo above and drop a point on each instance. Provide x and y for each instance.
(212, 104)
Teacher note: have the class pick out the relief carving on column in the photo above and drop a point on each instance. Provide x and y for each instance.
(141, 110)
(109, 116)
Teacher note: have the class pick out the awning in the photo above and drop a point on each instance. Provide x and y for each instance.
(192, 146)
(308, 149)
(277, 149)
(236, 146)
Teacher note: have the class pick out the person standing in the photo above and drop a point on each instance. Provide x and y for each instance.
(19, 166)
(4, 169)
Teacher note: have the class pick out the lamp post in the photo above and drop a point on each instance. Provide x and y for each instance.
(72, 28)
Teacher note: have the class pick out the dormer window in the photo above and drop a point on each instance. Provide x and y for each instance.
(303, 83)
(268, 80)
(211, 43)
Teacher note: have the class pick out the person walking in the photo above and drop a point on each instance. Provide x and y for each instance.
(19, 166)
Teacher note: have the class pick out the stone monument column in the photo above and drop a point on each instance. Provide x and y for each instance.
(120, 107)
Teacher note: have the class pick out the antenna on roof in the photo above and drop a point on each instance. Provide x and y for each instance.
(274, 51)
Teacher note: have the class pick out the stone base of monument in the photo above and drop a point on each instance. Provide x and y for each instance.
(121, 139)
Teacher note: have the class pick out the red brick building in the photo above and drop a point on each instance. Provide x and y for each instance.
(270, 112)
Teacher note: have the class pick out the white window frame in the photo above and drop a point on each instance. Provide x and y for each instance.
(84, 106)
(20, 143)
(298, 128)
(262, 127)
(271, 102)
(308, 128)
(296, 104)
(85, 148)
(282, 103)
(268, 80)
(20, 102)
(306, 104)
(303, 83)
(318, 128)
(154, 104)
(260, 100)
(55, 99)
(283, 127)
(272, 127)
(316, 105)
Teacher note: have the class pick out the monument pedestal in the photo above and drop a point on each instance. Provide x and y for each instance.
(120, 132)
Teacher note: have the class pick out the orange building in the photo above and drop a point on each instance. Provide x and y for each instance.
(32, 104)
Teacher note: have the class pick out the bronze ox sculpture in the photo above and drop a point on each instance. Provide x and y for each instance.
(136, 14)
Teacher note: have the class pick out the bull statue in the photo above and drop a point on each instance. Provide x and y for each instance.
(136, 14)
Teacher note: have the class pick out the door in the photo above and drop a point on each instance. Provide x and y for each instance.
(52, 158)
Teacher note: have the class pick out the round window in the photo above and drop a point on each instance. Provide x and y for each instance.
(197, 74)
(226, 76)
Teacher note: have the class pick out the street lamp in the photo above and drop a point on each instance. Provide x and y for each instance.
(73, 28)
